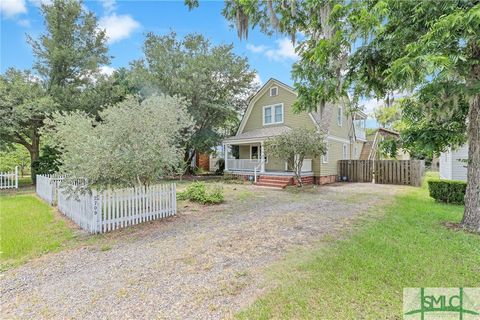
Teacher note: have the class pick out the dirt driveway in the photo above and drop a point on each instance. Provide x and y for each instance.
(205, 263)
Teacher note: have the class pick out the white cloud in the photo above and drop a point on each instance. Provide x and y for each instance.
(283, 51)
(118, 27)
(256, 49)
(11, 8)
(24, 23)
(106, 70)
(109, 5)
(38, 3)
(370, 105)
(257, 80)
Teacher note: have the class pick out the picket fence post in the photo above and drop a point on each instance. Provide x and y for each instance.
(97, 212)
(16, 177)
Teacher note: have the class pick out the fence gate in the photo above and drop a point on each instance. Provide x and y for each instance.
(408, 172)
(356, 170)
(405, 172)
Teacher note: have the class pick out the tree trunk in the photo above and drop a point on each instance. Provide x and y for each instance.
(34, 150)
(471, 216)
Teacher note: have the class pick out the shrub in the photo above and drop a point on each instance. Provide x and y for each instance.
(448, 191)
(197, 192)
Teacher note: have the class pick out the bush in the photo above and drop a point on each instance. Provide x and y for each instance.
(448, 191)
(197, 192)
(221, 166)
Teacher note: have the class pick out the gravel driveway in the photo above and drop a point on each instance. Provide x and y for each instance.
(205, 263)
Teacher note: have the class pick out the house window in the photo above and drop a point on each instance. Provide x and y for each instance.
(273, 114)
(273, 91)
(340, 116)
(345, 152)
(325, 156)
(254, 154)
(355, 151)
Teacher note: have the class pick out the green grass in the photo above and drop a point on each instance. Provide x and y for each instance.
(363, 276)
(28, 228)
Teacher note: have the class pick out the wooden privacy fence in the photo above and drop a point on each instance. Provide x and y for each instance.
(356, 170)
(99, 212)
(406, 172)
(9, 180)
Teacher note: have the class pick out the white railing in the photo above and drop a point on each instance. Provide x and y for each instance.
(242, 164)
(47, 187)
(99, 212)
(307, 165)
(360, 133)
(9, 180)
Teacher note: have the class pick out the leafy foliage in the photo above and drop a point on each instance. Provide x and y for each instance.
(448, 191)
(388, 116)
(294, 145)
(214, 81)
(368, 48)
(134, 143)
(12, 157)
(48, 162)
(197, 192)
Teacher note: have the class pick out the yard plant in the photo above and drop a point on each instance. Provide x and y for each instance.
(198, 192)
(448, 191)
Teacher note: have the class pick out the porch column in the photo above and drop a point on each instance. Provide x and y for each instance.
(225, 151)
(262, 157)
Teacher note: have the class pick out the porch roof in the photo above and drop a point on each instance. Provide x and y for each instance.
(258, 134)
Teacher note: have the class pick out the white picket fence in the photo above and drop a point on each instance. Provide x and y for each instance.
(100, 212)
(47, 187)
(9, 180)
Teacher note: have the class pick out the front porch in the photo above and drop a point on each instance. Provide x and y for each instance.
(250, 162)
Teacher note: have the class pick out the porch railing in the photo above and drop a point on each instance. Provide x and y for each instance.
(242, 164)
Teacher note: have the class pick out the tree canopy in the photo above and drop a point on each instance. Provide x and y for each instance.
(134, 143)
(214, 81)
(293, 146)
(376, 48)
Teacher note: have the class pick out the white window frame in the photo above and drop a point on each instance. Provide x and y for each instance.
(272, 107)
(259, 152)
(273, 95)
(345, 151)
(340, 116)
(325, 156)
(355, 151)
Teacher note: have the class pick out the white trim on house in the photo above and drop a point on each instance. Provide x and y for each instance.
(272, 108)
(344, 151)
(257, 96)
(340, 116)
(325, 156)
(338, 139)
(276, 91)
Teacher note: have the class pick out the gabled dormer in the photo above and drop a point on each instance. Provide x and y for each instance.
(271, 106)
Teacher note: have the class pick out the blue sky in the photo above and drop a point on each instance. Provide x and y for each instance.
(127, 22)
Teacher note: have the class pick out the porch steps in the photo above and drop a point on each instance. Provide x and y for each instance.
(275, 182)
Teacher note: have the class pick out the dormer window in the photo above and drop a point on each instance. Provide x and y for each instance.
(273, 114)
(273, 91)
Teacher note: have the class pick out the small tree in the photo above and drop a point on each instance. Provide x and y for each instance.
(134, 143)
(294, 145)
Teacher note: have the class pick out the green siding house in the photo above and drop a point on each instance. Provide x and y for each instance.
(270, 113)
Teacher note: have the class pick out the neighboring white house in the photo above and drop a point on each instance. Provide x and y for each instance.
(452, 165)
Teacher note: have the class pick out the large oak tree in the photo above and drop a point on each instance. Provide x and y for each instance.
(373, 48)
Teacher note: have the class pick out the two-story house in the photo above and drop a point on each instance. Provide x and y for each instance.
(269, 114)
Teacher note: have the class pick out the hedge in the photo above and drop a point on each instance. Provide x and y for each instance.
(448, 191)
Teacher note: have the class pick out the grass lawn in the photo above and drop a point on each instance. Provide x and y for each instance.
(28, 228)
(363, 276)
